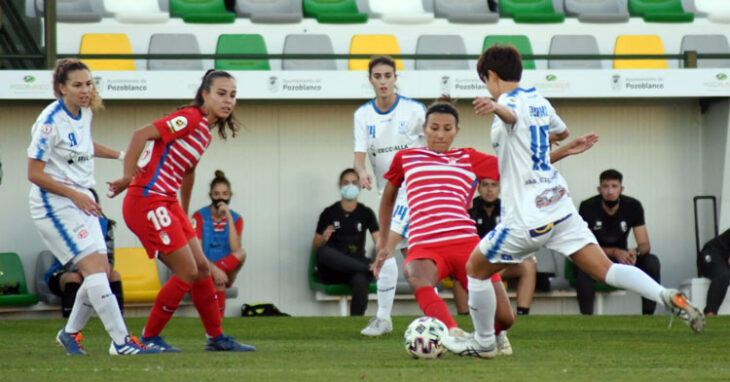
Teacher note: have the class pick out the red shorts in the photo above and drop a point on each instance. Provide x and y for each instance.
(450, 258)
(159, 222)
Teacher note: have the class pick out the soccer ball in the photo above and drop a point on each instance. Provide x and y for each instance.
(423, 338)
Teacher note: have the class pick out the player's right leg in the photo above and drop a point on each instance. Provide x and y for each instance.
(387, 280)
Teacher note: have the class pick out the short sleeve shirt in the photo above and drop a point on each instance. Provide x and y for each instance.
(612, 231)
(350, 227)
(484, 222)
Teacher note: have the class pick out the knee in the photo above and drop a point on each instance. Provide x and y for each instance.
(415, 280)
(71, 277)
(203, 271)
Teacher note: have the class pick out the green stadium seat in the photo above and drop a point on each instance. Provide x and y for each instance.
(521, 42)
(570, 276)
(334, 11)
(531, 11)
(242, 44)
(665, 11)
(202, 11)
(328, 289)
(13, 288)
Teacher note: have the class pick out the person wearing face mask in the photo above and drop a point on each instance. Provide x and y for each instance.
(340, 242)
(219, 229)
(611, 215)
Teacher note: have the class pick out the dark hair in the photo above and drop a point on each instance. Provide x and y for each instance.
(378, 60)
(220, 177)
(504, 60)
(443, 105)
(231, 122)
(60, 76)
(347, 171)
(611, 174)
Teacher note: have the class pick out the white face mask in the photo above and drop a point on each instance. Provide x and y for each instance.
(349, 191)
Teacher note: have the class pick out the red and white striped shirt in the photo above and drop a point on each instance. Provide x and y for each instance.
(439, 188)
(185, 135)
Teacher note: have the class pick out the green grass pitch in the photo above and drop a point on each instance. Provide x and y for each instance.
(546, 348)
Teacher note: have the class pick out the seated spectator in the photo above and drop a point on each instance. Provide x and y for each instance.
(610, 215)
(485, 211)
(340, 242)
(221, 244)
(65, 281)
(714, 263)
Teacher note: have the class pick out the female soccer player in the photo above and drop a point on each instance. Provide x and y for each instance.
(219, 229)
(61, 170)
(384, 125)
(161, 160)
(538, 210)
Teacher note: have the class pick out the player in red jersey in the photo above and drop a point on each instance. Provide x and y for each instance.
(440, 183)
(161, 160)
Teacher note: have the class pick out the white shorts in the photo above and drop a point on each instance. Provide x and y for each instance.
(400, 219)
(512, 245)
(68, 232)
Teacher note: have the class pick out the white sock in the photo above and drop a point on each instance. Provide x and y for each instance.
(80, 313)
(634, 279)
(106, 306)
(482, 308)
(387, 280)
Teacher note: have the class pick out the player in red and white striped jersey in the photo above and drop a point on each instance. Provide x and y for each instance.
(161, 160)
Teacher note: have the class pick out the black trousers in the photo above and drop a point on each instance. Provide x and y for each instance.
(335, 267)
(715, 267)
(586, 290)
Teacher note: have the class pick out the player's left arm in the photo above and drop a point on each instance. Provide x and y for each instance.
(186, 188)
(576, 146)
(102, 151)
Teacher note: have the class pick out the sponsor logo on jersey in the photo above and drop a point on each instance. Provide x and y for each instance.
(47, 129)
(146, 155)
(82, 234)
(178, 123)
(165, 238)
(598, 225)
(550, 196)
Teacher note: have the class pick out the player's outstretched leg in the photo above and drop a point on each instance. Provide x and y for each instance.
(388, 278)
(681, 307)
(482, 308)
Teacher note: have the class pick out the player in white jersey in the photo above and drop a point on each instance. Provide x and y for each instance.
(383, 126)
(61, 169)
(537, 210)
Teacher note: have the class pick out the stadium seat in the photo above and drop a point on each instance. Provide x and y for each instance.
(706, 44)
(75, 11)
(465, 11)
(373, 44)
(201, 11)
(140, 280)
(400, 12)
(44, 262)
(570, 276)
(107, 43)
(241, 44)
(441, 44)
(13, 288)
(639, 44)
(136, 11)
(598, 11)
(171, 43)
(667, 11)
(521, 42)
(308, 44)
(270, 11)
(574, 44)
(533, 11)
(330, 289)
(334, 11)
(717, 11)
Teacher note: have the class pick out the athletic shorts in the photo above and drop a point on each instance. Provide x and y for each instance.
(450, 258)
(512, 245)
(400, 219)
(159, 222)
(67, 231)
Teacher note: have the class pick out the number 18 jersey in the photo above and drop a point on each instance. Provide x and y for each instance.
(533, 192)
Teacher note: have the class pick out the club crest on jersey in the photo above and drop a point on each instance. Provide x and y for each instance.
(549, 196)
(165, 238)
(82, 234)
(598, 225)
(403, 127)
(178, 123)
(47, 129)
(624, 226)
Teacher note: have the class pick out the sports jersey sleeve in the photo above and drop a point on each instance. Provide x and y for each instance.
(323, 222)
(197, 221)
(43, 138)
(484, 165)
(176, 125)
(360, 134)
(239, 225)
(557, 125)
(638, 215)
(395, 174)
(511, 102)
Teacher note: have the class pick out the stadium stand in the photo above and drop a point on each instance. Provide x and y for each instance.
(533, 11)
(107, 43)
(13, 288)
(373, 44)
(334, 11)
(140, 278)
(166, 43)
(441, 44)
(201, 11)
(270, 11)
(598, 11)
(465, 11)
(241, 43)
(400, 12)
(522, 43)
(308, 44)
(660, 11)
(717, 10)
(75, 11)
(136, 11)
(574, 44)
(639, 44)
(707, 44)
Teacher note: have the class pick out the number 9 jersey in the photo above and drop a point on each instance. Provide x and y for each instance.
(533, 192)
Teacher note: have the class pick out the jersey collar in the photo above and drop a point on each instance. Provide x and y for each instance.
(375, 107)
(63, 106)
(514, 92)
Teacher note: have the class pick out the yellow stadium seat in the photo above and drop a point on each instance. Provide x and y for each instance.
(140, 280)
(107, 43)
(639, 44)
(373, 44)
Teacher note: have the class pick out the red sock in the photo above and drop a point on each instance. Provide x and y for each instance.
(228, 263)
(204, 299)
(433, 306)
(221, 295)
(166, 302)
